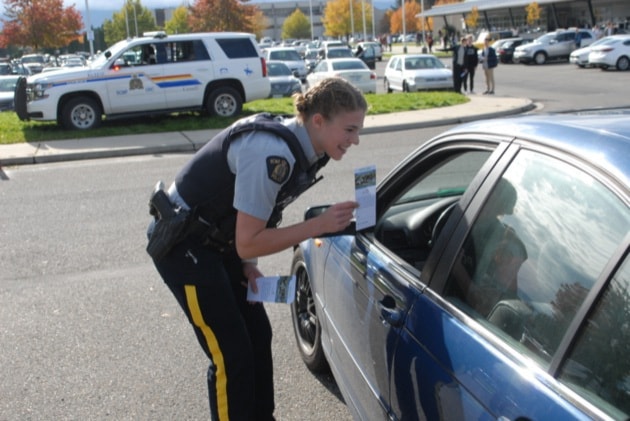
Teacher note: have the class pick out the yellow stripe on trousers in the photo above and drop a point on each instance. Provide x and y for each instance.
(215, 351)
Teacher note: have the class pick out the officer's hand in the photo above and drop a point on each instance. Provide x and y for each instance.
(251, 272)
(337, 217)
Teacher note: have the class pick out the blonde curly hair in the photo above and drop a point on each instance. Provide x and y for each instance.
(329, 97)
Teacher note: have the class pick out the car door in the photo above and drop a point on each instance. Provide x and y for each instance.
(132, 82)
(372, 280)
(395, 73)
(187, 69)
(509, 277)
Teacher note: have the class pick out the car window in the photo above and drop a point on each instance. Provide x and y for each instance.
(406, 225)
(237, 47)
(598, 367)
(348, 65)
(535, 250)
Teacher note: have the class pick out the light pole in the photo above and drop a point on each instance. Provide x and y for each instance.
(351, 19)
(424, 42)
(404, 29)
(90, 33)
(364, 28)
(310, 5)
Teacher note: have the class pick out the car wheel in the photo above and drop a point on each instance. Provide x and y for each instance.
(388, 88)
(224, 101)
(306, 324)
(540, 58)
(623, 63)
(81, 113)
(405, 87)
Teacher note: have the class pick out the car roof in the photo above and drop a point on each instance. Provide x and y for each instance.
(601, 137)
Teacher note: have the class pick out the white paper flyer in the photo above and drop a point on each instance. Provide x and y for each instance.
(365, 195)
(273, 289)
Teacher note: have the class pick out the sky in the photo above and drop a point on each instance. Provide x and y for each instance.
(103, 9)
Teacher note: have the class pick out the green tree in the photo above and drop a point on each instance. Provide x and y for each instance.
(40, 24)
(178, 24)
(412, 23)
(472, 18)
(133, 20)
(296, 25)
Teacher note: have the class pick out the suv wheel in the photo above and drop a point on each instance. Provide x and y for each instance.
(540, 58)
(388, 88)
(224, 101)
(81, 113)
(623, 63)
(306, 324)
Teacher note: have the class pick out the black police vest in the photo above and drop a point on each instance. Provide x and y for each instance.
(207, 185)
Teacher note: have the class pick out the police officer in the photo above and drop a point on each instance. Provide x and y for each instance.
(234, 189)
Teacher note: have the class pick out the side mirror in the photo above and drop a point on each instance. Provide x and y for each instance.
(315, 211)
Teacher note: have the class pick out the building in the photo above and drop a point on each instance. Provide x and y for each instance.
(511, 14)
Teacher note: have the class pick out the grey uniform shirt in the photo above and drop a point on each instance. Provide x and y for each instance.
(255, 192)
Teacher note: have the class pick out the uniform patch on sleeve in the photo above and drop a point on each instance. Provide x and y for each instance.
(277, 169)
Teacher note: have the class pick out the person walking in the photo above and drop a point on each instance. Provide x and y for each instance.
(471, 60)
(489, 61)
(234, 190)
(459, 70)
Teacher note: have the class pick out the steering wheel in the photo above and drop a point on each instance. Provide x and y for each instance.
(440, 222)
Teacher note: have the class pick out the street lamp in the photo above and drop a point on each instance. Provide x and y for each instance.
(310, 5)
(404, 29)
(90, 33)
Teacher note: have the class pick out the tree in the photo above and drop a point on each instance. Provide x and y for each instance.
(40, 24)
(178, 24)
(412, 23)
(472, 18)
(338, 22)
(221, 15)
(257, 21)
(533, 13)
(132, 20)
(296, 25)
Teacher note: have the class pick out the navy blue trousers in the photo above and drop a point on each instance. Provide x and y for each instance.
(234, 334)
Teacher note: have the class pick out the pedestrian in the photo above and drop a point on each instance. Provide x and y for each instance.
(389, 42)
(471, 59)
(578, 38)
(430, 42)
(459, 70)
(234, 190)
(489, 61)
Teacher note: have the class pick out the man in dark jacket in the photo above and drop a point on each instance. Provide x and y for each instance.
(471, 59)
(459, 69)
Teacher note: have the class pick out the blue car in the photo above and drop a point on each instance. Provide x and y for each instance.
(495, 284)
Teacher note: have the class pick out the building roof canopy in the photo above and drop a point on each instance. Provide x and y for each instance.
(466, 6)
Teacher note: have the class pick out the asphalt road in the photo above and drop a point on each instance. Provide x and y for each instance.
(89, 331)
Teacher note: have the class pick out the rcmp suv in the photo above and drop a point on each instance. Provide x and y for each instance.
(212, 72)
(556, 45)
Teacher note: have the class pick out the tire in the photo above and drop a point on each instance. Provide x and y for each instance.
(540, 58)
(623, 63)
(388, 88)
(405, 87)
(224, 101)
(81, 113)
(306, 324)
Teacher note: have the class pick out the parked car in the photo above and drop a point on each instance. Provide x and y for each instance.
(505, 48)
(354, 70)
(494, 284)
(336, 52)
(14, 68)
(290, 57)
(283, 82)
(579, 57)
(378, 48)
(7, 91)
(615, 53)
(211, 72)
(494, 36)
(416, 72)
(34, 62)
(557, 45)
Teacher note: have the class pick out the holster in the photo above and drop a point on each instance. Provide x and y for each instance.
(170, 226)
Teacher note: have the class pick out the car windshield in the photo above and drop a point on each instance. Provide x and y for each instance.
(348, 65)
(285, 55)
(414, 63)
(101, 59)
(339, 52)
(278, 69)
(7, 84)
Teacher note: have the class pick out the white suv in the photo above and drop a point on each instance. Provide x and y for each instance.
(551, 46)
(213, 72)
